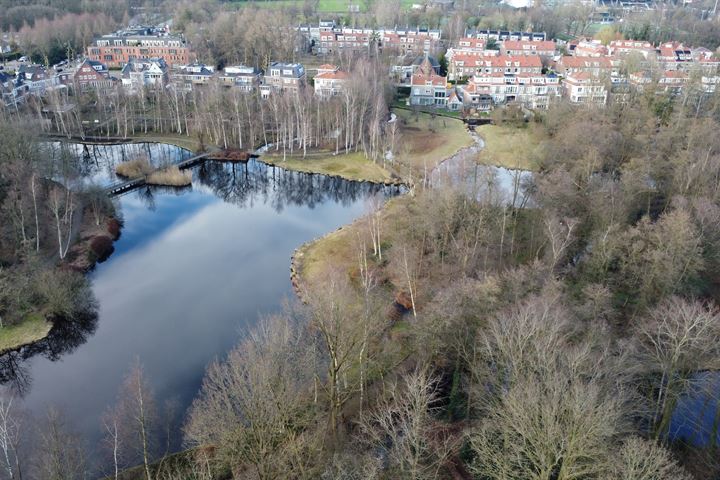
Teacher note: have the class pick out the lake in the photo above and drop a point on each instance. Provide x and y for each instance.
(192, 270)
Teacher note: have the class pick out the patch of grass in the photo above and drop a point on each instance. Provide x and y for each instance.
(338, 250)
(350, 166)
(508, 146)
(426, 141)
(170, 177)
(135, 168)
(34, 328)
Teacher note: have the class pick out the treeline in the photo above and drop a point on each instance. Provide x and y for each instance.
(293, 122)
(25, 13)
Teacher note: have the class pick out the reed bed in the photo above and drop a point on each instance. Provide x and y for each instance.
(170, 176)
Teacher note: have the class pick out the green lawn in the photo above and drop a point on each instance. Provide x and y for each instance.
(35, 327)
(351, 166)
(508, 146)
(427, 141)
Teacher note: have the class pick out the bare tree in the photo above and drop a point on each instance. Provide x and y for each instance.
(678, 339)
(641, 459)
(10, 435)
(137, 411)
(254, 406)
(59, 453)
(403, 425)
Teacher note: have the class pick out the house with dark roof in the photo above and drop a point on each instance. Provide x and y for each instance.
(242, 77)
(189, 76)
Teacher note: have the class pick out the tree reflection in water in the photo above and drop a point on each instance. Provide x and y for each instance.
(64, 338)
(243, 185)
(246, 184)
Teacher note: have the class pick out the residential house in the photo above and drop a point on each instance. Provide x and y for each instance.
(595, 66)
(543, 48)
(428, 88)
(465, 65)
(138, 74)
(403, 72)
(242, 77)
(626, 47)
(284, 77)
(187, 77)
(471, 44)
(475, 99)
(503, 35)
(328, 38)
(36, 78)
(589, 48)
(674, 55)
(330, 81)
(532, 90)
(455, 101)
(584, 88)
(673, 81)
(510, 65)
(91, 75)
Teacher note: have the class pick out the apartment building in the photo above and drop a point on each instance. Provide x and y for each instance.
(139, 43)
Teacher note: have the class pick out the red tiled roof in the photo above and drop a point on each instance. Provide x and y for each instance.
(527, 45)
(568, 61)
(422, 79)
(336, 75)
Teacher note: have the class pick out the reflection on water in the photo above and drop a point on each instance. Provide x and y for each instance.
(493, 184)
(96, 163)
(190, 272)
(696, 419)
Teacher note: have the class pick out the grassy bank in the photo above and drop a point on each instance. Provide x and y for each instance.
(508, 146)
(170, 176)
(338, 250)
(33, 329)
(426, 141)
(351, 166)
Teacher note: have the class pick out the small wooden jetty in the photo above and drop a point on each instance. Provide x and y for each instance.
(231, 155)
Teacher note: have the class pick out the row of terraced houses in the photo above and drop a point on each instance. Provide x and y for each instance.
(532, 72)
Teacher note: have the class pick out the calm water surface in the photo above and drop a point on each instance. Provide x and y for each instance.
(190, 273)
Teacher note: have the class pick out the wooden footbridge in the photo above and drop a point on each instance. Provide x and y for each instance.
(126, 186)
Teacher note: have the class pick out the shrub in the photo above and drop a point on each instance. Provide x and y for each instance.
(171, 177)
(113, 227)
(136, 168)
(101, 247)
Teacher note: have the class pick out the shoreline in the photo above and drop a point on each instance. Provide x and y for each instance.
(297, 266)
(36, 326)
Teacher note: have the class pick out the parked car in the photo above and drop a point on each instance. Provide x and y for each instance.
(22, 59)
